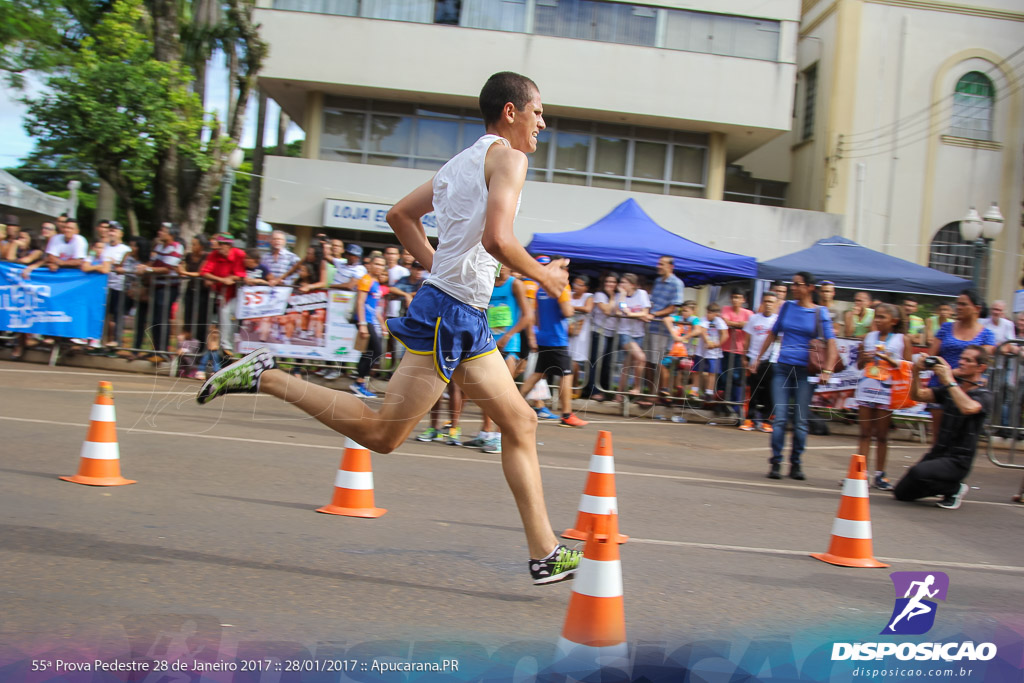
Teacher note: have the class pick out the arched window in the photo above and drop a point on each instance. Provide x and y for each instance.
(951, 254)
(972, 107)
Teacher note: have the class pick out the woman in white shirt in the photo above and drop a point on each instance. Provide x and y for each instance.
(604, 325)
(632, 307)
(579, 326)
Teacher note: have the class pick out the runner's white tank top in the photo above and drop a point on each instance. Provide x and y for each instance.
(462, 267)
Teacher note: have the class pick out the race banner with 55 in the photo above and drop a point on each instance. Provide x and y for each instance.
(292, 324)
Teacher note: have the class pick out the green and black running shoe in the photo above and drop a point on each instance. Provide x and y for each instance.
(558, 566)
(241, 377)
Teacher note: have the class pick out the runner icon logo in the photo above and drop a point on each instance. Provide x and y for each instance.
(914, 611)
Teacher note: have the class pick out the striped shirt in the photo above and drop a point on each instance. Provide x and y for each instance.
(666, 292)
(167, 256)
(280, 264)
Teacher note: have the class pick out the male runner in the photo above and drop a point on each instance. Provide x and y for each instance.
(475, 197)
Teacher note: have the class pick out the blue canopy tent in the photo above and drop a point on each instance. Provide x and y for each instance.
(853, 266)
(629, 237)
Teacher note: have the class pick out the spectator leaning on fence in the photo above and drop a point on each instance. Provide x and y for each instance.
(758, 327)
(632, 306)
(579, 327)
(1002, 327)
(166, 254)
(860, 317)
(113, 255)
(279, 261)
(65, 250)
(791, 389)
(348, 272)
(666, 297)
(604, 325)
(197, 291)
(915, 323)
(223, 268)
(734, 349)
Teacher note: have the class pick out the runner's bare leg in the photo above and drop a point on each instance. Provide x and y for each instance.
(413, 389)
(487, 382)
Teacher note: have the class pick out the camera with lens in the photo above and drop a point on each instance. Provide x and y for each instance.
(931, 361)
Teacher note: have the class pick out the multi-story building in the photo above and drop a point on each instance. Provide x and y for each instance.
(650, 100)
(907, 113)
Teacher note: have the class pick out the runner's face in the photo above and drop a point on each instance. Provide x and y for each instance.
(527, 125)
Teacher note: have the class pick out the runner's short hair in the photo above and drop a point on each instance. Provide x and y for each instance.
(504, 87)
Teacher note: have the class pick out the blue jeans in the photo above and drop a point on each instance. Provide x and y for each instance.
(733, 378)
(791, 393)
(212, 358)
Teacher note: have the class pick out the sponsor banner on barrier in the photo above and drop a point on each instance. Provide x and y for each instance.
(312, 325)
(839, 393)
(63, 303)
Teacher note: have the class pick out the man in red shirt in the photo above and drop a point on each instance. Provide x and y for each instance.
(222, 269)
(734, 362)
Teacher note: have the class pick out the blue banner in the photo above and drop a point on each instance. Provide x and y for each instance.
(64, 303)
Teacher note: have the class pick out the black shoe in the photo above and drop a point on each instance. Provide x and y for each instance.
(952, 502)
(775, 472)
(796, 473)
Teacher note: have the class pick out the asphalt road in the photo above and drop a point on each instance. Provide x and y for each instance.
(219, 540)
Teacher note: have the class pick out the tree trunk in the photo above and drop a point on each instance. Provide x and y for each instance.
(256, 181)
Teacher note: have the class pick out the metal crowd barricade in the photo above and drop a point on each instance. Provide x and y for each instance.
(606, 367)
(1006, 381)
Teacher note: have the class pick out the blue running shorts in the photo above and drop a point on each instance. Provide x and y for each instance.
(440, 325)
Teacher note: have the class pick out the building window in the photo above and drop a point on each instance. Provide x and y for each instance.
(602, 20)
(950, 254)
(609, 22)
(740, 186)
(972, 107)
(569, 151)
(810, 94)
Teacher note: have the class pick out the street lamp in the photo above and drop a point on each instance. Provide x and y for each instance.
(980, 230)
(233, 162)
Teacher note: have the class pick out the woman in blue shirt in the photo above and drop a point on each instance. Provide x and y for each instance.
(798, 323)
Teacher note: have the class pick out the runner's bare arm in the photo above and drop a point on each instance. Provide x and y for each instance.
(404, 218)
(505, 173)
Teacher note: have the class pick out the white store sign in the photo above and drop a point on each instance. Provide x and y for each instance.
(339, 213)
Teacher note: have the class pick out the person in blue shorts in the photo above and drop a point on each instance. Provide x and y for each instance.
(475, 198)
(507, 315)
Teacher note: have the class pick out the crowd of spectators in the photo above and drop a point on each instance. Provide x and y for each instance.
(607, 338)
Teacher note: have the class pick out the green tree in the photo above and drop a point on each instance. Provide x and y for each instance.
(118, 108)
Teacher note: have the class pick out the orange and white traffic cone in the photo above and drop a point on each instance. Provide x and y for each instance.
(100, 463)
(851, 530)
(353, 485)
(594, 634)
(599, 493)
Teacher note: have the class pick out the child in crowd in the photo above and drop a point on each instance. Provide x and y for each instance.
(682, 328)
(188, 350)
(255, 272)
(213, 354)
(712, 332)
(883, 349)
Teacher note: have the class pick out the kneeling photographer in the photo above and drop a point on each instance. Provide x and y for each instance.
(965, 403)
